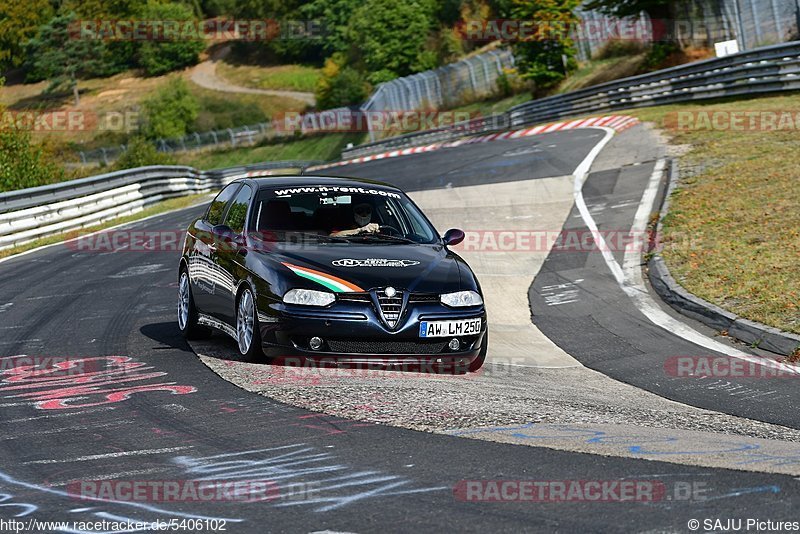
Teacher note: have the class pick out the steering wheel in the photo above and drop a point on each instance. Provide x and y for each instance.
(391, 230)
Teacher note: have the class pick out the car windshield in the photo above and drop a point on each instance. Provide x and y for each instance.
(340, 214)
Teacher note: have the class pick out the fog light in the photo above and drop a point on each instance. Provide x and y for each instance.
(315, 343)
(454, 344)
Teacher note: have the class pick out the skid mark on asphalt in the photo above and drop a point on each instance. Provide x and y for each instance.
(139, 270)
(120, 454)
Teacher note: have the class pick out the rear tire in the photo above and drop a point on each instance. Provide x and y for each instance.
(247, 328)
(187, 312)
(479, 361)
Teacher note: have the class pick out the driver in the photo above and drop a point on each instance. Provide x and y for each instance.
(362, 217)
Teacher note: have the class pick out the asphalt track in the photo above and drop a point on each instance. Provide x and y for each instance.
(174, 419)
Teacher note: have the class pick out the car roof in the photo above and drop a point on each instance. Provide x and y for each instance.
(294, 180)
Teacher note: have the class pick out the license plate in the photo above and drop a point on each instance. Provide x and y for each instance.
(464, 327)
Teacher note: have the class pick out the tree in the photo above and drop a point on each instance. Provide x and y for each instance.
(340, 85)
(547, 56)
(57, 55)
(334, 16)
(161, 56)
(19, 22)
(170, 112)
(391, 37)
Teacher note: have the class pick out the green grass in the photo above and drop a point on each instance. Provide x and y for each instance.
(161, 207)
(320, 147)
(281, 77)
(732, 235)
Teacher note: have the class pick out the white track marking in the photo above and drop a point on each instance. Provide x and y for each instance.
(629, 276)
(54, 415)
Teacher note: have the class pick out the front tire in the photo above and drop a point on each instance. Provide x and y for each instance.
(187, 312)
(247, 330)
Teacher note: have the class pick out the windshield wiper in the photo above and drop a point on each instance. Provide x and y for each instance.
(384, 237)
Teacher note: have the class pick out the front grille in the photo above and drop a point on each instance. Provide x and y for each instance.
(390, 306)
(386, 347)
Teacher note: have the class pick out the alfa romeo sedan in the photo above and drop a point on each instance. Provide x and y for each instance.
(340, 269)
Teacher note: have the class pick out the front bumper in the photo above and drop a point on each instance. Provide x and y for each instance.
(354, 334)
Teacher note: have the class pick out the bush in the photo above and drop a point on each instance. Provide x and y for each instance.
(658, 55)
(170, 112)
(160, 57)
(23, 164)
(140, 153)
(340, 85)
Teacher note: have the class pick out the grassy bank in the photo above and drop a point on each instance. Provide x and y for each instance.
(738, 204)
(278, 77)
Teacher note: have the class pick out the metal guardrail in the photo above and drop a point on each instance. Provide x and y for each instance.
(763, 70)
(30, 214)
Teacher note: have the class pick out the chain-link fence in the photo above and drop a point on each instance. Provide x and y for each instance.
(444, 87)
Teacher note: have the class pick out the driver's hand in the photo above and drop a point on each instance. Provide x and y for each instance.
(371, 228)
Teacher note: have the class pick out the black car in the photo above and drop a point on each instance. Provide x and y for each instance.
(330, 268)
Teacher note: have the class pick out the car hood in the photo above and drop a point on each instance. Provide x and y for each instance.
(416, 268)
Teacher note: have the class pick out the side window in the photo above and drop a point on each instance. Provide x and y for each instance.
(217, 208)
(238, 210)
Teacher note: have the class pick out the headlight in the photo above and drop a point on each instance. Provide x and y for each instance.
(308, 297)
(460, 299)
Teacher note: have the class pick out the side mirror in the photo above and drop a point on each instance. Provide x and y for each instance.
(454, 236)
